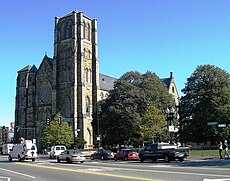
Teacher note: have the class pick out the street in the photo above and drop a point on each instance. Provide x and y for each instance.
(44, 169)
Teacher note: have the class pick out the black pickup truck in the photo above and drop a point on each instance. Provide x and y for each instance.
(157, 151)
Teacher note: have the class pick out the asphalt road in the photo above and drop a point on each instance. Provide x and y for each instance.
(45, 169)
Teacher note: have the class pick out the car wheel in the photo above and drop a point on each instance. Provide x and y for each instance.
(102, 157)
(82, 162)
(50, 156)
(58, 160)
(68, 160)
(10, 159)
(33, 159)
(19, 158)
(141, 159)
(126, 158)
(91, 158)
(181, 159)
(166, 159)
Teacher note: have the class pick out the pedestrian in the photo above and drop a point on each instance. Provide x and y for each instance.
(225, 147)
(220, 146)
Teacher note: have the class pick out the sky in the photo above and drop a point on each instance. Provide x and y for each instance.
(160, 36)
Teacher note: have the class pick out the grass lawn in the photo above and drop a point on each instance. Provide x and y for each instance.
(204, 153)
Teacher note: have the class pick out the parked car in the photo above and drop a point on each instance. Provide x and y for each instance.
(181, 153)
(71, 156)
(126, 154)
(56, 150)
(23, 151)
(102, 154)
(158, 151)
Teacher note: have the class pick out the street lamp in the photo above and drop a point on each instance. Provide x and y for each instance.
(171, 115)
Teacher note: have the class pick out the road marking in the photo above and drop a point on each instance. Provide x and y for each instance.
(90, 172)
(4, 178)
(216, 179)
(22, 174)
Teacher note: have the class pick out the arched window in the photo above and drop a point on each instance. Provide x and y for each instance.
(102, 96)
(84, 52)
(89, 55)
(90, 76)
(106, 95)
(87, 105)
(173, 89)
(63, 31)
(89, 32)
(70, 29)
(84, 30)
(86, 75)
(67, 108)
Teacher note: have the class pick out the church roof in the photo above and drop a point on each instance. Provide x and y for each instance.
(26, 68)
(33, 69)
(106, 82)
(50, 59)
(167, 82)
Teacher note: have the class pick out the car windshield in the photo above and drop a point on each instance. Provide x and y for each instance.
(74, 152)
(108, 151)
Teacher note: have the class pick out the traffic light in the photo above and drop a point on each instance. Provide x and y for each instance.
(59, 121)
(48, 121)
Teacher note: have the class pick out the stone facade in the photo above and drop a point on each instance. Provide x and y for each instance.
(67, 83)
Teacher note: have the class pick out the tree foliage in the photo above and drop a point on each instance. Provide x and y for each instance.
(206, 99)
(153, 125)
(121, 114)
(54, 133)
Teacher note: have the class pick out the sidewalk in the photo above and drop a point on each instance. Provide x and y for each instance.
(194, 158)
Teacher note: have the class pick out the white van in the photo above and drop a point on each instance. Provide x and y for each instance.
(56, 150)
(23, 151)
(6, 148)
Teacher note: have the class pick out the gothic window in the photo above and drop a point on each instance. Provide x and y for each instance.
(89, 55)
(70, 28)
(106, 95)
(90, 76)
(70, 75)
(102, 96)
(89, 32)
(64, 31)
(86, 75)
(84, 53)
(87, 105)
(84, 30)
(173, 89)
(67, 107)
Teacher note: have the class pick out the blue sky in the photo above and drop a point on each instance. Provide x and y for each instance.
(161, 36)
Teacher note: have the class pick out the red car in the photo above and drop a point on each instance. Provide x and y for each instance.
(126, 154)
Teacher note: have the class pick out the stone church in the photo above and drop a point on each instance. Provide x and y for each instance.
(69, 83)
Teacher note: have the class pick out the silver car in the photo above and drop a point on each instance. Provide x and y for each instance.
(71, 156)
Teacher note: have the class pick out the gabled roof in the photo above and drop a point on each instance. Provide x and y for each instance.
(167, 82)
(106, 82)
(26, 68)
(33, 69)
(48, 59)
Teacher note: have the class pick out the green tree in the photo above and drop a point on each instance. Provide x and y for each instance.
(206, 99)
(153, 126)
(121, 114)
(54, 133)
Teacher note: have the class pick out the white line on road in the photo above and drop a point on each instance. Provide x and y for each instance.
(216, 179)
(22, 174)
(6, 178)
